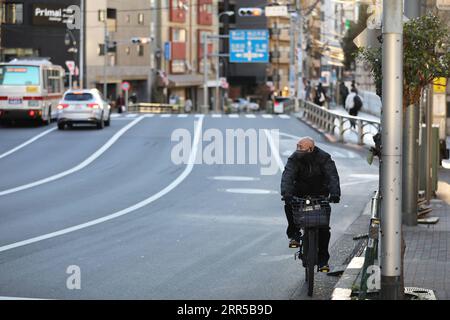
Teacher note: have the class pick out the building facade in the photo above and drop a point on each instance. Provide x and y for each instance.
(38, 28)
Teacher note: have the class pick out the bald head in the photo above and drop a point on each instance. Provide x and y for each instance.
(306, 144)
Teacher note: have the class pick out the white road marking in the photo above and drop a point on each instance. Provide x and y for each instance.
(166, 115)
(131, 115)
(150, 115)
(82, 165)
(234, 178)
(115, 115)
(267, 116)
(170, 187)
(284, 116)
(216, 116)
(27, 143)
(233, 116)
(275, 151)
(18, 298)
(182, 116)
(249, 191)
(251, 116)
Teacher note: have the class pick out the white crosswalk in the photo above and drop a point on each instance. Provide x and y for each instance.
(116, 116)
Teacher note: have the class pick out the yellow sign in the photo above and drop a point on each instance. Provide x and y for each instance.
(32, 89)
(439, 85)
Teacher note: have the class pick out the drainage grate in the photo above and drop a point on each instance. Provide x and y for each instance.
(420, 293)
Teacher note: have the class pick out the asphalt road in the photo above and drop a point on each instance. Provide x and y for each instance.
(139, 226)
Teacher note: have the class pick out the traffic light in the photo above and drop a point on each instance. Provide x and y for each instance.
(347, 24)
(250, 12)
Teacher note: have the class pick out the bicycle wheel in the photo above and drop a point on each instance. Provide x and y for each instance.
(311, 259)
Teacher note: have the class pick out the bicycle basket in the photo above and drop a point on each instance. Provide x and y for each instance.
(309, 216)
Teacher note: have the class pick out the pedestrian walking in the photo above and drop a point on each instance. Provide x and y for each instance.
(188, 106)
(343, 90)
(320, 96)
(353, 104)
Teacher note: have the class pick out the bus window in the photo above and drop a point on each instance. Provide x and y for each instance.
(19, 75)
(54, 81)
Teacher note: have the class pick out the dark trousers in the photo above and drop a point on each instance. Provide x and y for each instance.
(353, 112)
(324, 236)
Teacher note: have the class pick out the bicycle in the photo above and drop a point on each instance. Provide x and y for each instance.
(310, 214)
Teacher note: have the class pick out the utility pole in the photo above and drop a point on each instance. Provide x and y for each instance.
(391, 159)
(81, 75)
(410, 145)
(300, 86)
(205, 73)
(428, 147)
(106, 45)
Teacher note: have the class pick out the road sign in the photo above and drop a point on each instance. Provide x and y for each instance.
(168, 50)
(443, 4)
(276, 11)
(440, 85)
(71, 66)
(249, 46)
(125, 86)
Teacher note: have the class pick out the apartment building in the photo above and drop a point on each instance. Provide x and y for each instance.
(180, 34)
(119, 22)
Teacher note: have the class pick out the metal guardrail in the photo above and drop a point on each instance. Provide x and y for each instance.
(371, 254)
(154, 108)
(329, 120)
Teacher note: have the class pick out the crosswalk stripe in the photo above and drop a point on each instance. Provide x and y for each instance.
(233, 116)
(132, 115)
(216, 116)
(182, 116)
(115, 115)
(250, 116)
(267, 116)
(166, 115)
(284, 116)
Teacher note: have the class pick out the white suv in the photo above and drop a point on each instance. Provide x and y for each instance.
(85, 106)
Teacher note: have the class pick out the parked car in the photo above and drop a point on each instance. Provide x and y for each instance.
(83, 107)
(242, 104)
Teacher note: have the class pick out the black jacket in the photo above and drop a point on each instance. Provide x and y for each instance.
(310, 177)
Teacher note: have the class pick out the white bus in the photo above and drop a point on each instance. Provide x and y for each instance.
(30, 89)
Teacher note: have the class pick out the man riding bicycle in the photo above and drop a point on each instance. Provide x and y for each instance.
(310, 171)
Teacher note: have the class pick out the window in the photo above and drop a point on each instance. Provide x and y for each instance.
(178, 35)
(53, 79)
(178, 66)
(12, 13)
(101, 15)
(140, 50)
(141, 18)
(101, 49)
(111, 15)
(82, 96)
(19, 75)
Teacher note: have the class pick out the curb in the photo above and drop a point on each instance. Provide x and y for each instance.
(343, 289)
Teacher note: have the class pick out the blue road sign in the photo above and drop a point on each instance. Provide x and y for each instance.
(249, 46)
(167, 50)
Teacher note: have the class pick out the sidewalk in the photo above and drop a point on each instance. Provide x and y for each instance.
(427, 256)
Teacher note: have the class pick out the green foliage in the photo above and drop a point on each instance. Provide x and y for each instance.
(426, 56)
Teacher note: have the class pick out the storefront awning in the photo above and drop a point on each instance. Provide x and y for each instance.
(185, 80)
